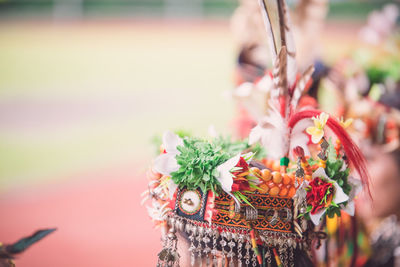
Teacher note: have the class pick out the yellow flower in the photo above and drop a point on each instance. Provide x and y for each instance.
(317, 131)
(346, 123)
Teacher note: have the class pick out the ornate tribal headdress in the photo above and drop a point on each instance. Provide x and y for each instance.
(252, 211)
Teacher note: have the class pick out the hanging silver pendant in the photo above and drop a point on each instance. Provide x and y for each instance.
(169, 256)
(231, 245)
(214, 250)
(239, 250)
(192, 248)
(254, 259)
(199, 248)
(223, 244)
(268, 257)
(247, 246)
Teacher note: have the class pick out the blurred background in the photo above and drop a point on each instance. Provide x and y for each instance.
(85, 86)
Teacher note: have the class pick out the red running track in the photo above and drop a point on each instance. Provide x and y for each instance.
(99, 219)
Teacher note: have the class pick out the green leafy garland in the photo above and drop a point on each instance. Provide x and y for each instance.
(199, 160)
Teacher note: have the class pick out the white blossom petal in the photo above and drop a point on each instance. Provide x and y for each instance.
(165, 164)
(350, 208)
(315, 138)
(320, 172)
(226, 181)
(316, 218)
(172, 186)
(171, 141)
(340, 196)
(225, 176)
(356, 187)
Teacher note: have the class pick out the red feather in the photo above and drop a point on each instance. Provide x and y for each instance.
(352, 151)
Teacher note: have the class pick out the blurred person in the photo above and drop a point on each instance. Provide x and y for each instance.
(382, 214)
(362, 89)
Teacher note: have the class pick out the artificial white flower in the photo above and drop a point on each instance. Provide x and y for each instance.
(338, 198)
(225, 177)
(356, 188)
(172, 186)
(166, 163)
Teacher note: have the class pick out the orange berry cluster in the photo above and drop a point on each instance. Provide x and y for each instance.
(275, 183)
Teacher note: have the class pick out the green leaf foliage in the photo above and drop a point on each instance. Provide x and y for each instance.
(332, 210)
(199, 160)
(334, 170)
(312, 161)
(232, 148)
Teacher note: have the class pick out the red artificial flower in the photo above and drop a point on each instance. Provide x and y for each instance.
(243, 165)
(240, 185)
(319, 194)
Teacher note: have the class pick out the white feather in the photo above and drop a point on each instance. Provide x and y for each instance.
(298, 137)
(272, 132)
(275, 136)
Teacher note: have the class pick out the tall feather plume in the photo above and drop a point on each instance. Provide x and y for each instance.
(283, 52)
(269, 26)
(279, 91)
(277, 24)
(290, 45)
(300, 86)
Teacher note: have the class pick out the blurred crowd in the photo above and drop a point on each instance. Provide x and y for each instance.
(362, 89)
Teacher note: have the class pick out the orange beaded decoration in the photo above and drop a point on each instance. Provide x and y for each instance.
(275, 183)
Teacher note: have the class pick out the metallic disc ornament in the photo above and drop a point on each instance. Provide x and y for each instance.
(190, 202)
